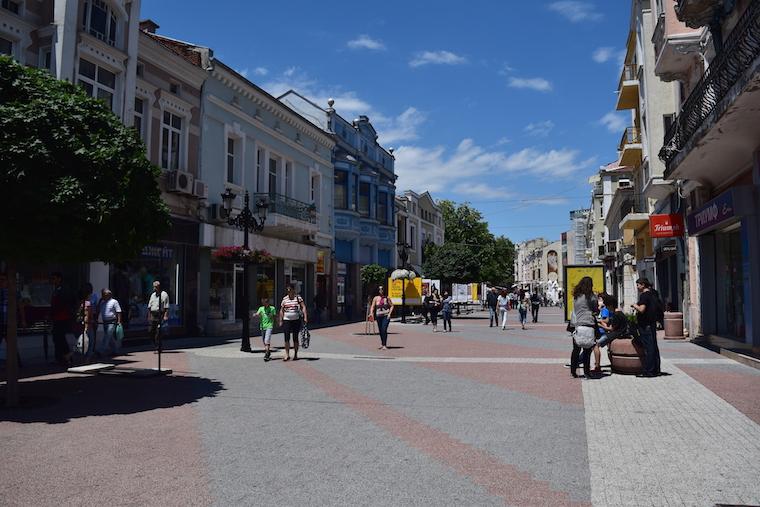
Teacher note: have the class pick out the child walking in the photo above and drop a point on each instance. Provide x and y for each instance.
(523, 308)
(266, 314)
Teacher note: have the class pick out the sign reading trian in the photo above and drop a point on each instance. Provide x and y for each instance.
(666, 226)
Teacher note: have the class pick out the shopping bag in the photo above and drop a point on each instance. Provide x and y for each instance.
(81, 345)
(118, 336)
(305, 336)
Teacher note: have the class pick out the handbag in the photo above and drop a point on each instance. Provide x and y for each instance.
(584, 337)
(82, 344)
(305, 336)
(571, 324)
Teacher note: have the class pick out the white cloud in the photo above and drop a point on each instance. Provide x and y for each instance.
(243, 72)
(503, 140)
(483, 190)
(537, 83)
(576, 11)
(402, 127)
(436, 58)
(261, 71)
(540, 129)
(505, 69)
(469, 165)
(614, 122)
(366, 42)
(601, 55)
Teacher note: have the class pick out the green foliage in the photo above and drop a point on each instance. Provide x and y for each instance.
(74, 181)
(373, 274)
(470, 252)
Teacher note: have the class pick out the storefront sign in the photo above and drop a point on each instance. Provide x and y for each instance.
(320, 262)
(157, 252)
(666, 226)
(713, 213)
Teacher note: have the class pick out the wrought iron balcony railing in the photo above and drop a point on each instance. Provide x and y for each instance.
(658, 38)
(287, 206)
(632, 135)
(740, 49)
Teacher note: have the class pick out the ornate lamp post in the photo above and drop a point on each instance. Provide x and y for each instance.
(247, 222)
(403, 273)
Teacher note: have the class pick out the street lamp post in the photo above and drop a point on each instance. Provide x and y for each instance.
(247, 222)
(403, 273)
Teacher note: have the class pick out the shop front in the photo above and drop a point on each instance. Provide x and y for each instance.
(728, 232)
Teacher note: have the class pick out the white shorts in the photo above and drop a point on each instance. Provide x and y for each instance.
(266, 335)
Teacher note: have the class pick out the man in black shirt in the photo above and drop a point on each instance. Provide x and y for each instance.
(646, 316)
(535, 304)
(492, 300)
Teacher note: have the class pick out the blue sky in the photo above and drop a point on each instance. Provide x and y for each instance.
(507, 105)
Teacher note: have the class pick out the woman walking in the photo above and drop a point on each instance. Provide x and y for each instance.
(381, 310)
(292, 310)
(523, 309)
(434, 306)
(584, 308)
(446, 310)
(503, 303)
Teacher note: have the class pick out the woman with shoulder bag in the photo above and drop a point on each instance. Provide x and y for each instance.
(584, 336)
(382, 309)
(292, 310)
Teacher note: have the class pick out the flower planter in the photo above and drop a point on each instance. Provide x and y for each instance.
(626, 357)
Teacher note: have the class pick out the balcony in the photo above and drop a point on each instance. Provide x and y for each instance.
(635, 213)
(718, 122)
(630, 147)
(698, 13)
(287, 215)
(628, 88)
(676, 47)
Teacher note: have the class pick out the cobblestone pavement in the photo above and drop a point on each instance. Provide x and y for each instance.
(479, 416)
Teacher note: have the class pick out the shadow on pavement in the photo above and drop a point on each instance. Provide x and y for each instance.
(59, 400)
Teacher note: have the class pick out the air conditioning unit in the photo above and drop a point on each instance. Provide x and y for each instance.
(625, 184)
(180, 182)
(200, 189)
(309, 238)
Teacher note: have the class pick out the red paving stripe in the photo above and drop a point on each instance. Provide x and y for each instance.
(417, 343)
(548, 382)
(506, 481)
(740, 390)
(148, 457)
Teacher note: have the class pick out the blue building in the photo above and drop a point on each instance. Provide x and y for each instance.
(363, 198)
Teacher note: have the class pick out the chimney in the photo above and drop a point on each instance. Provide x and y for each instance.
(149, 26)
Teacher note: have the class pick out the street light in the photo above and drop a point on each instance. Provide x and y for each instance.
(247, 222)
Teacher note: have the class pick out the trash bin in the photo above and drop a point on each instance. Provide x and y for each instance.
(674, 326)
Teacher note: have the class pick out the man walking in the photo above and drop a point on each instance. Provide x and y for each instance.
(646, 317)
(535, 304)
(158, 312)
(492, 300)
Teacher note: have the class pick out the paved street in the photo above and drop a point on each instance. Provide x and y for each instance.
(479, 416)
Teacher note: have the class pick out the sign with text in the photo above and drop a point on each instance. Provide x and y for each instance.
(412, 288)
(666, 226)
(712, 213)
(573, 275)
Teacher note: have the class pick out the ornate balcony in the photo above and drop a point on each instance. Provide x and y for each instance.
(724, 95)
(630, 147)
(698, 13)
(676, 47)
(287, 206)
(628, 87)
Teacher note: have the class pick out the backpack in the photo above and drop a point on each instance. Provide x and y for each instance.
(659, 307)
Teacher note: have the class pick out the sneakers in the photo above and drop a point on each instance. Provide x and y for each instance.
(267, 355)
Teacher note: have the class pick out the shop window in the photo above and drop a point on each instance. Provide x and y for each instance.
(99, 21)
(97, 82)
(221, 294)
(171, 135)
(341, 190)
(364, 198)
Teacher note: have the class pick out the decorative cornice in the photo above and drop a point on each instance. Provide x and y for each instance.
(102, 52)
(153, 52)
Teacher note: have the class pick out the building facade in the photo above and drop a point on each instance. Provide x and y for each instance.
(419, 221)
(530, 263)
(711, 150)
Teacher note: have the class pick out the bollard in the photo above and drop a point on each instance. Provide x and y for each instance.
(674, 326)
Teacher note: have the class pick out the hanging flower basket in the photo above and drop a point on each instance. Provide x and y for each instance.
(239, 254)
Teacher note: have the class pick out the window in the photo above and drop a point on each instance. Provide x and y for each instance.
(382, 207)
(364, 198)
(288, 178)
(140, 70)
(171, 132)
(6, 47)
(11, 5)
(97, 81)
(273, 175)
(230, 160)
(139, 121)
(356, 193)
(341, 190)
(412, 235)
(260, 155)
(99, 21)
(174, 88)
(46, 58)
(667, 121)
(315, 190)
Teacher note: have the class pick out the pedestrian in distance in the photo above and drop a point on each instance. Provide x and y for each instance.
(584, 335)
(83, 321)
(426, 305)
(61, 315)
(535, 304)
(503, 303)
(446, 304)
(492, 301)
(292, 317)
(646, 317)
(522, 307)
(110, 317)
(266, 314)
(434, 306)
(381, 310)
(158, 312)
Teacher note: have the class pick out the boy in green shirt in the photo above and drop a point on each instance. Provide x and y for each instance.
(266, 314)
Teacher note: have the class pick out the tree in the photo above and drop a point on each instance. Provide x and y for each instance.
(75, 185)
(372, 275)
(451, 263)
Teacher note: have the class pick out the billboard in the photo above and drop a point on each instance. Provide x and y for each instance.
(573, 275)
(412, 288)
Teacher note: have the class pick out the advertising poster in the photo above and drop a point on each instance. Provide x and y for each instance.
(573, 275)
(413, 289)
(474, 292)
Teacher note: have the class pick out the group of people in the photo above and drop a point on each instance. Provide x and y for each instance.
(597, 320)
(292, 318)
(500, 302)
(434, 303)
